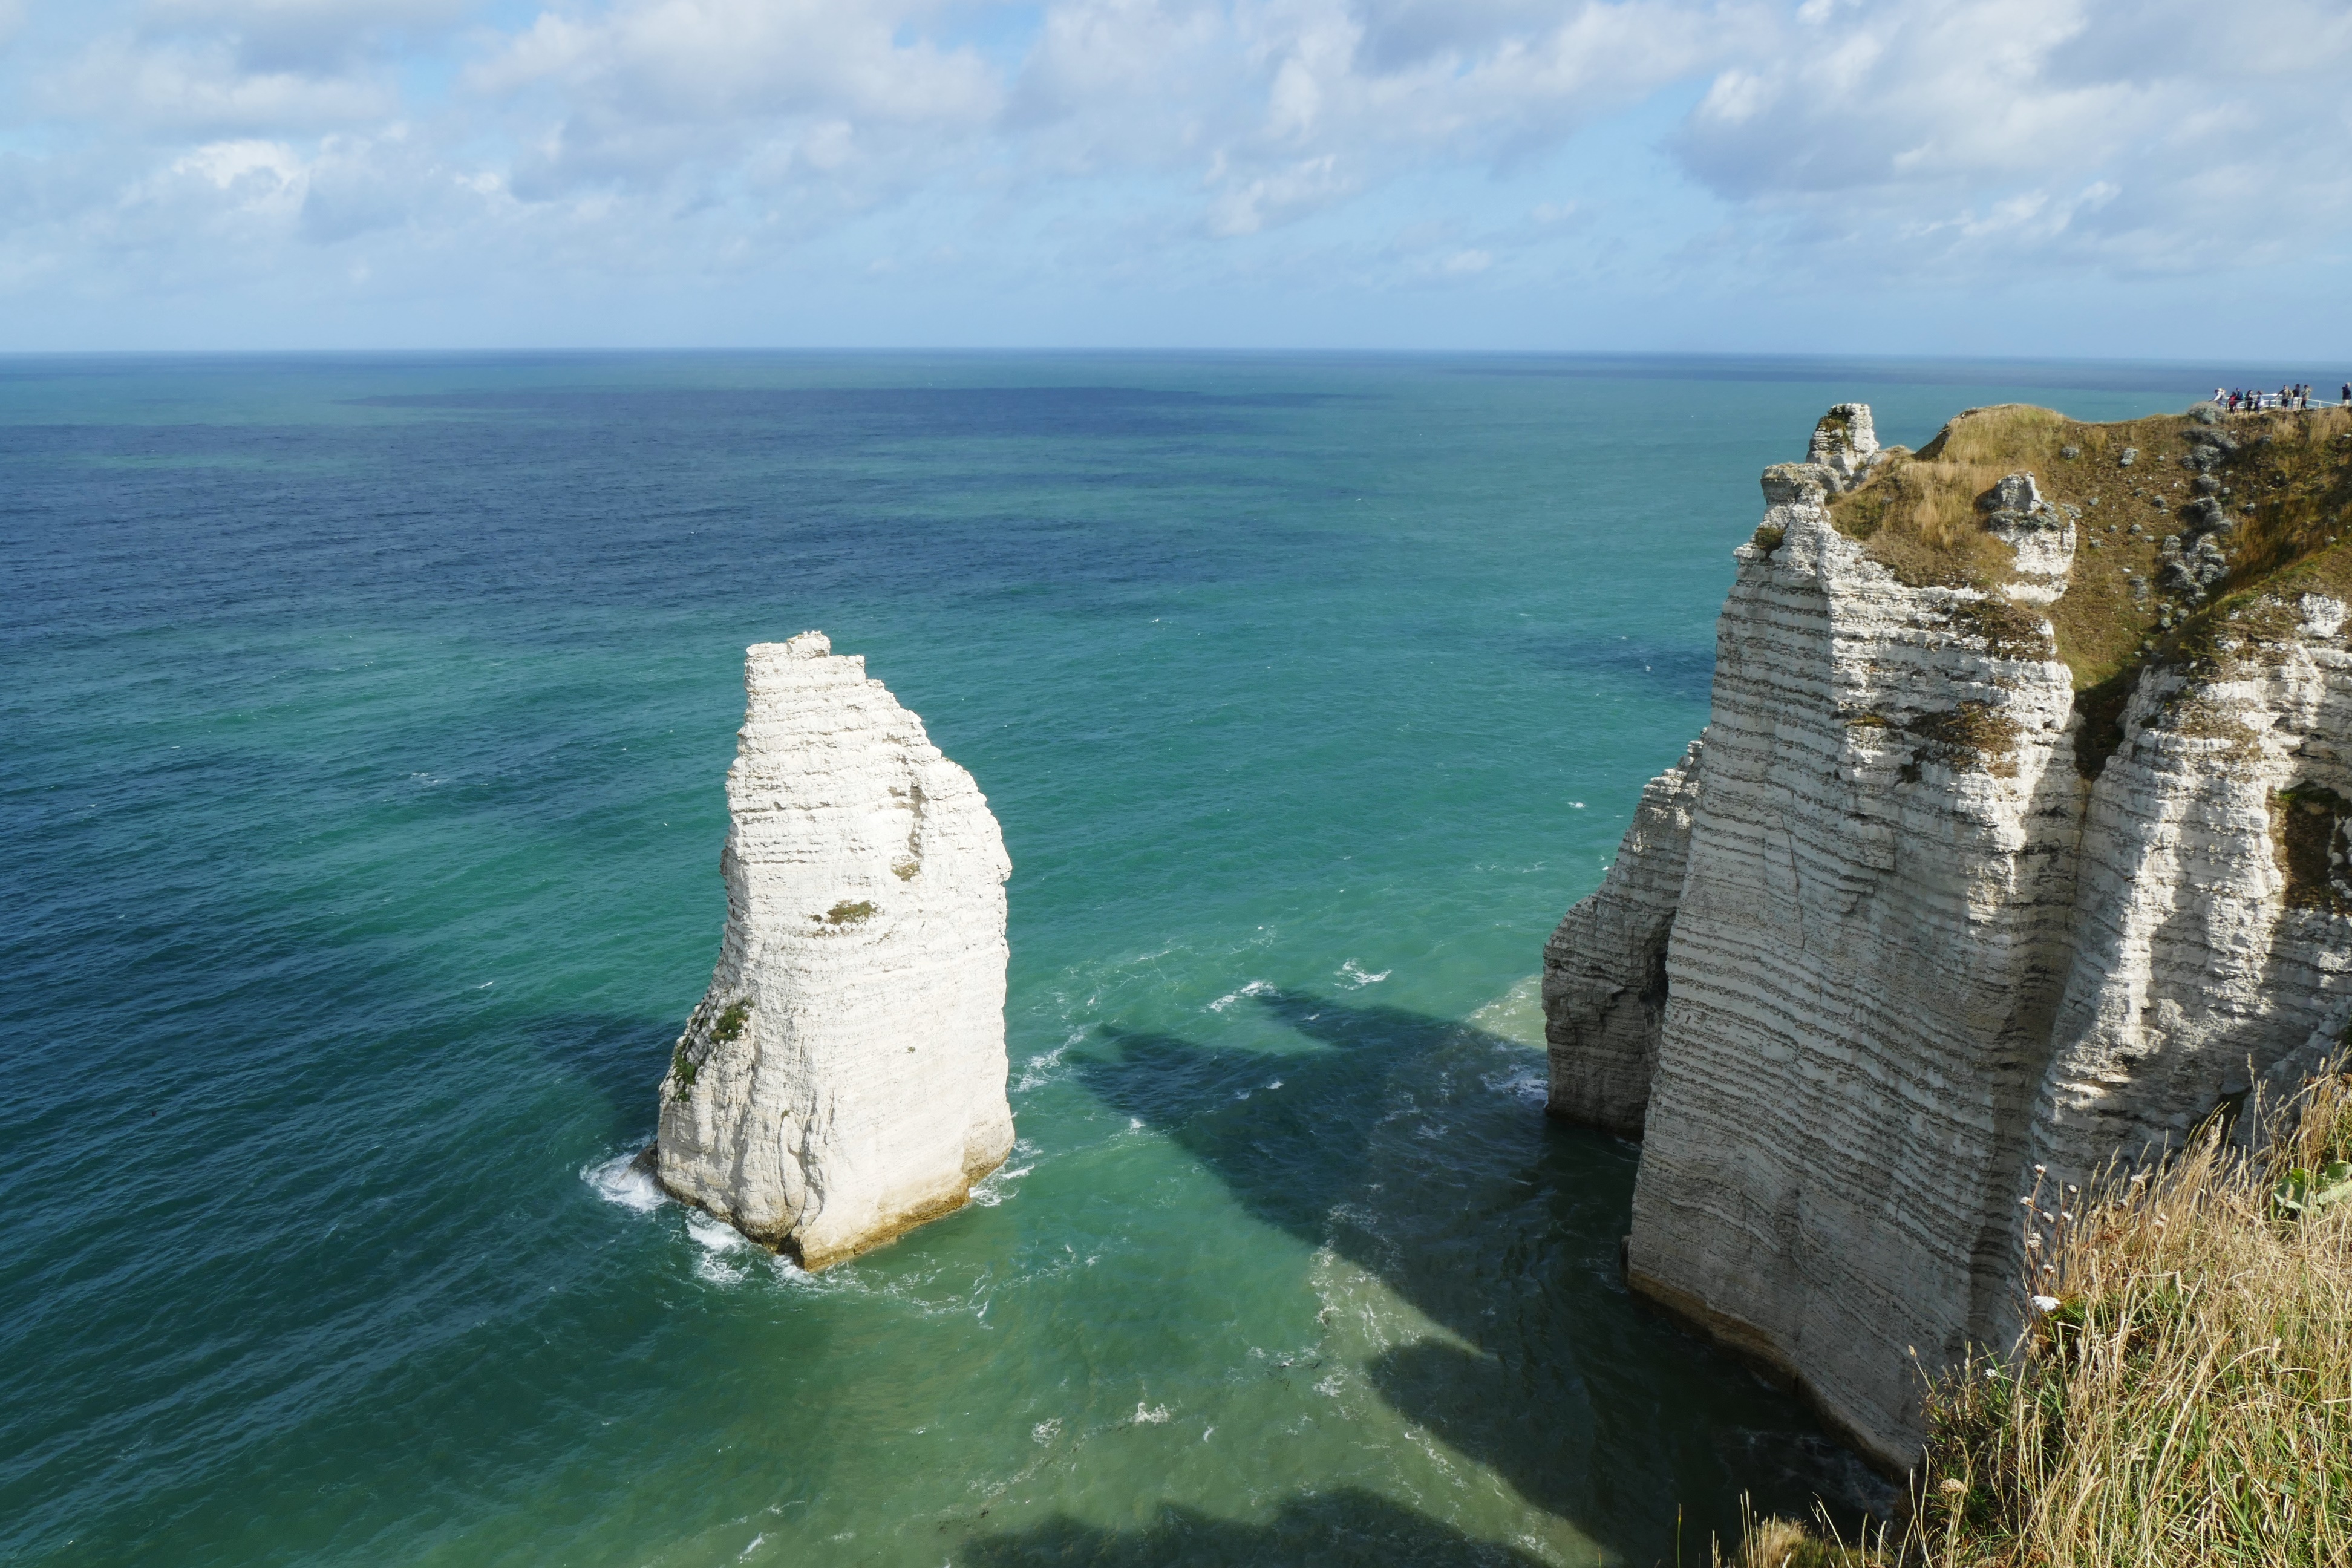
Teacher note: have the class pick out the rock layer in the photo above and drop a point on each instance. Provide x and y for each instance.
(842, 1079)
(1877, 950)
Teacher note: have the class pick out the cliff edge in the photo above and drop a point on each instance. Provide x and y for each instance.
(2016, 842)
(843, 1080)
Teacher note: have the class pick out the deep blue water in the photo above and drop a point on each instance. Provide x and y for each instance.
(365, 720)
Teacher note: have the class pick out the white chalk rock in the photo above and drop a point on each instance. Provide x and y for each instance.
(843, 1080)
(1880, 950)
(1604, 974)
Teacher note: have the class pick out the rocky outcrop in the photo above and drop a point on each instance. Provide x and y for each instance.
(1604, 974)
(1880, 950)
(843, 1080)
(2039, 536)
(1846, 442)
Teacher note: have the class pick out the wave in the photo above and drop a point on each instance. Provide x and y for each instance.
(1254, 988)
(619, 1180)
(1038, 1070)
(1529, 1084)
(717, 1239)
(991, 1190)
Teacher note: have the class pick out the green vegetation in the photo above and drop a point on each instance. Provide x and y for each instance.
(2184, 1397)
(727, 1028)
(1767, 538)
(2283, 480)
(845, 913)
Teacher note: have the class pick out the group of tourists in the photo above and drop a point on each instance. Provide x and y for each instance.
(2284, 398)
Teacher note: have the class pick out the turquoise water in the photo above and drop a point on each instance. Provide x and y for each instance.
(365, 723)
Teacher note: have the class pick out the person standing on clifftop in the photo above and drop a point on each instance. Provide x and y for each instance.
(2347, 395)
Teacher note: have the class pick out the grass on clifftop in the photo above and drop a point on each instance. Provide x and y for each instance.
(2186, 1402)
(1917, 514)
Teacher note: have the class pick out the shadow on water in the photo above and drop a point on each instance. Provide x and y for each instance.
(1344, 1527)
(620, 1057)
(1415, 1147)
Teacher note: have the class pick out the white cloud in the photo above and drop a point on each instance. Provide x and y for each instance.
(1936, 135)
(651, 89)
(1175, 144)
(129, 82)
(312, 37)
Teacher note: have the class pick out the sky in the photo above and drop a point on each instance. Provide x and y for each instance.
(2145, 179)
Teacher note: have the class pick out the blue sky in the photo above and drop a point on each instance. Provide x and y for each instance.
(2155, 179)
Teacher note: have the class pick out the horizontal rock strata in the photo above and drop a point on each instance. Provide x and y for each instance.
(1604, 974)
(1878, 951)
(843, 1080)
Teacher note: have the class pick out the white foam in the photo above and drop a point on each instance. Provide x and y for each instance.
(1349, 971)
(714, 1235)
(1254, 988)
(788, 1272)
(1152, 1416)
(717, 1271)
(1530, 1084)
(1038, 1070)
(618, 1180)
(1046, 1431)
(988, 1191)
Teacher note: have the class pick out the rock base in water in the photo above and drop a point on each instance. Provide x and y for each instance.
(843, 1080)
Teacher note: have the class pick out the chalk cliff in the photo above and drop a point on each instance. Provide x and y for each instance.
(843, 1080)
(2016, 841)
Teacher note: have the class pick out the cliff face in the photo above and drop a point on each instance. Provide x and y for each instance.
(1928, 919)
(1604, 974)
(843, 1080)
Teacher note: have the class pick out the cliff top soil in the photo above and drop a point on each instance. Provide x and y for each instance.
(2282, 480)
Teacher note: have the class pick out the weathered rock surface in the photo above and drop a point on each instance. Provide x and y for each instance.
(1909, 953)
(843, 1080)
(2040, 536)
(1844, 442)
(1604, 976)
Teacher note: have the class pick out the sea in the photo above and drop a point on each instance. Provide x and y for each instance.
(365, 718)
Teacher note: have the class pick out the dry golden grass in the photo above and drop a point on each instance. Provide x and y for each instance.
(2188, 1402)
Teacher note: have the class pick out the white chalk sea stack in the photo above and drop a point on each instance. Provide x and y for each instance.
(843, 1080)
(1877, 958)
